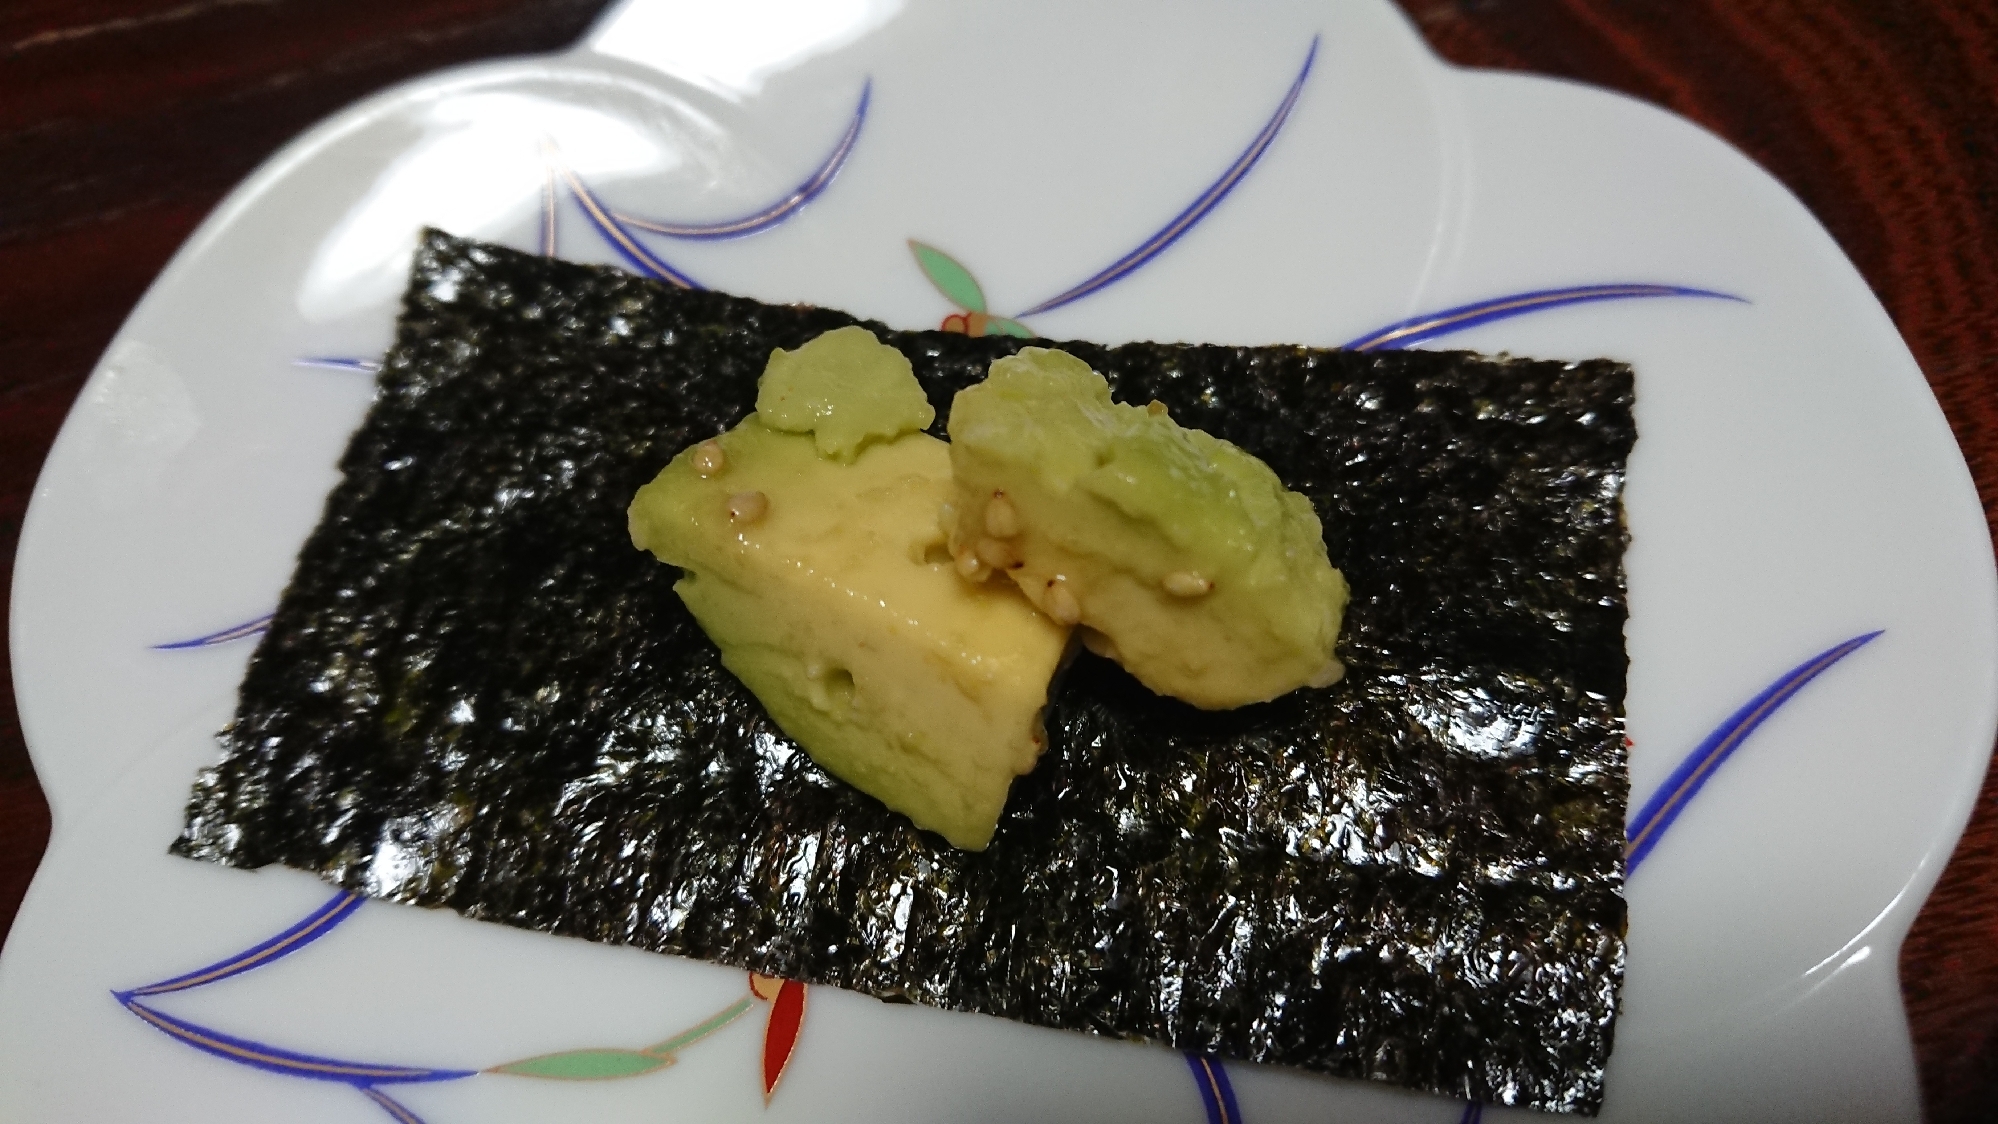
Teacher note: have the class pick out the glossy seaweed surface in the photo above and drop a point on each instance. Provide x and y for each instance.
(476, 694)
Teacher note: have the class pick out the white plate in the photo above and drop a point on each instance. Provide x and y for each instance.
(1794, 487)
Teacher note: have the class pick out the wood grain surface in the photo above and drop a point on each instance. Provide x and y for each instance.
(122, 122)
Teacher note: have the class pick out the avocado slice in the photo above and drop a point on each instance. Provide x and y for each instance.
(1184, 557)
(815, 561)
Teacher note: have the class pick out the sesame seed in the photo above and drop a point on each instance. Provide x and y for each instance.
(1061, 604)
(1156, 408)
(1097, 642)
(1186, 583)
(1001, 520)
(997, 554)
(709, 459)
(969, 567)
(748, 507)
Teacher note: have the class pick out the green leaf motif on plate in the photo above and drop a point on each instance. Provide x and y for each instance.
(587, 1065)
(951, 279)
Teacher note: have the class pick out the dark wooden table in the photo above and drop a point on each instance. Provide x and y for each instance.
(122, 122)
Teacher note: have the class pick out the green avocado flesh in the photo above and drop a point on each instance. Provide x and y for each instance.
(1186, 558)
(845, 388)
(821, 575)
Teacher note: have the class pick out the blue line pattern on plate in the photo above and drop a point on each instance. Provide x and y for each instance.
(620, 237)
(767, 217)
(234, 632)
(1474, 1113)
(338, 363)
(316, 924)
(391, 1106)
(1430, 325)
(1679, 789)
(290, 1063)
(1195, 211)
(1215, 1091)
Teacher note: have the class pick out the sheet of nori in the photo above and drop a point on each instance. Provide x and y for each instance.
(476, 694)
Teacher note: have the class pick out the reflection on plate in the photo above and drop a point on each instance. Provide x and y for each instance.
(1296, 173)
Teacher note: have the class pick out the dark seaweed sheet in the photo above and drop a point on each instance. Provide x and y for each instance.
(476, 694)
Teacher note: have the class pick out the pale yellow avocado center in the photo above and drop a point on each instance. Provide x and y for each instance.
(821, 574)
(1183, 555)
